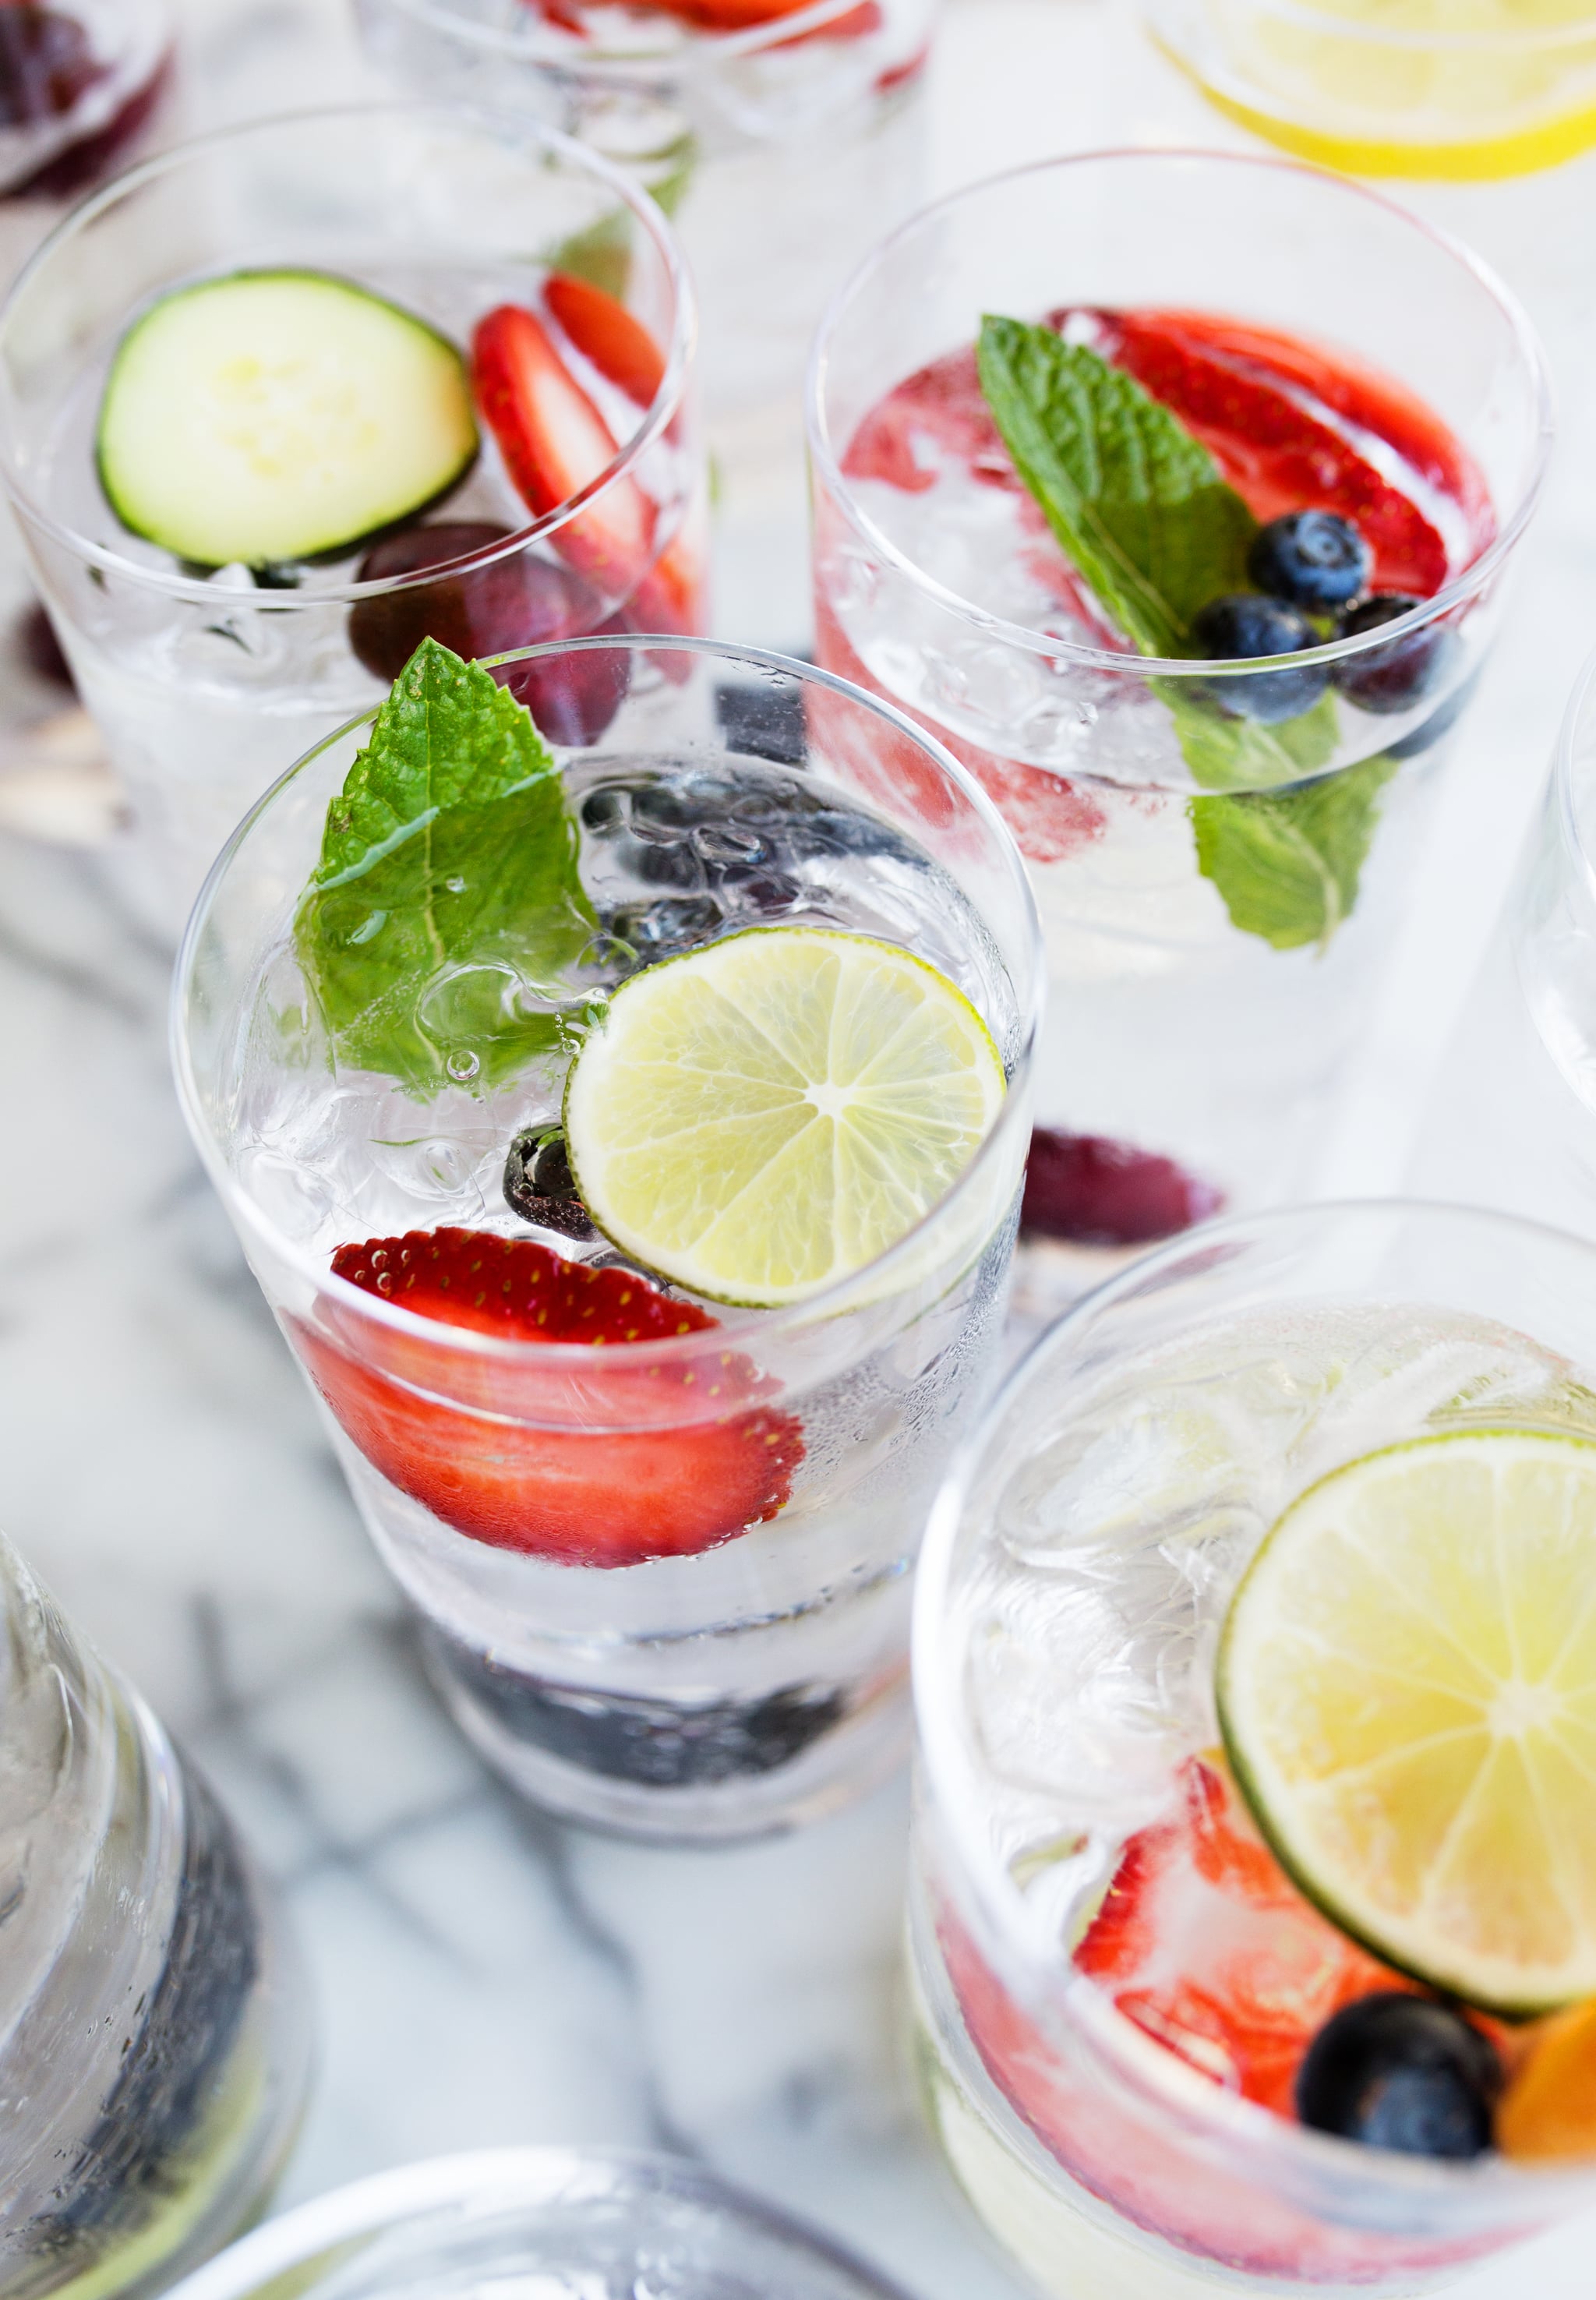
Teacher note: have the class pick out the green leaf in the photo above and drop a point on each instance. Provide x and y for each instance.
(447, 898)
(1244, 755)
(1137, 503)
(1288, 862)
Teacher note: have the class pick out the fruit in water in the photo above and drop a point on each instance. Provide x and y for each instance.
(518, 600)
(47, 64)
(1311, 559)
(1396, 677)
(554, 443)
(698, 1458)
(1400, 2071)
(1241, 625)
(539, 1187)
(605, 332)
(1548, 2108)
(1227, 382)
(41, 650)
(1205, 1943)
(1094, 1192)
(1407, 1688)
(766, 1115)
(278, 415)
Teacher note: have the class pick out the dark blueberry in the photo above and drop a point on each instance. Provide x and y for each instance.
(1311, 558)
(1396, 676)
(1403, 2072)
(1438, 725)
(41, 650)
(539, 1187)
(277, 575)
(1094, 1192)
(766, 721)
(770, 893)
(666, 1744)
(655, 928)
(512, 601)
(1242, 626)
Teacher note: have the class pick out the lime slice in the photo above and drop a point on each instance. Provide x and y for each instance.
(1407, 1688)
(769, 1114)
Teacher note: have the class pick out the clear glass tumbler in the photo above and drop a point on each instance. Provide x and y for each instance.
(1511, 1118)
(724, 1677)
(202, 681)
(559, 2223)
(1438, 88)
(781, 141)
(1219, 876)
(156, 2041)
(1110, 1970)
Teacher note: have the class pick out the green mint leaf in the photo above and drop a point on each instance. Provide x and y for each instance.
(1287, 862)
(1244, 755)
(447, 889)
(1137, 503)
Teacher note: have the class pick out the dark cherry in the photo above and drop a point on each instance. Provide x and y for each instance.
(1403, 2072)
(1090, 1191)
(512, 601)
(47, 64)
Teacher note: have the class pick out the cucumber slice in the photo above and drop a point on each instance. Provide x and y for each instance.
(279, 415)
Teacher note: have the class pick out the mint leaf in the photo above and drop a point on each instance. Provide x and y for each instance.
(1137, 503)
(447, 888)
(1288, 862)
(1244, 755)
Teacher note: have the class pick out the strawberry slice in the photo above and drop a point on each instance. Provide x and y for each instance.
(1277, 454)
(696, 1463)
(747, 15)
(605, 332)
(1204, 1942)
(555, 443)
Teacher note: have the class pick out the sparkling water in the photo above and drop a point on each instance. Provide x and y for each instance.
(681, 1671)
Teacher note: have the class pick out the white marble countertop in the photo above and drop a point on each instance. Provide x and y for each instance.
(484, 1975)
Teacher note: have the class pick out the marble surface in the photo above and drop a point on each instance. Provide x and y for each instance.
(483, 1975)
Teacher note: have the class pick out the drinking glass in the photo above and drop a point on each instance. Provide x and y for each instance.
(1432, 90)
(758, 1681)
(1198, 1029)
(157, 2043)
(202, 683)
(561, 2223)
(780, 150)
(1510, 1119)
(1078, 1568)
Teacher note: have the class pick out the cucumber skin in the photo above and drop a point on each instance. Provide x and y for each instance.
(330, 551)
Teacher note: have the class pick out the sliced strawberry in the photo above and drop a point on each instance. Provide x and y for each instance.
(747, 15)
(695, 1464)
(1275, 452)
(1203, 1941)
(566, 15)
(605, 332)
(555, 443)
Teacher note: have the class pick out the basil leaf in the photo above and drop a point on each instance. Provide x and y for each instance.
(446, 900)
(1137, 503)
(1288, 862)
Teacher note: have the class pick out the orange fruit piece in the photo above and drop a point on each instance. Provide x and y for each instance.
(1548, 2108)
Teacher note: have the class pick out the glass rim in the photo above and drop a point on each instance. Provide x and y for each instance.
(502, 128)
(1505, 41)
(519, 45)
(1155, 2073)
(860, 1289)
(527, 2177)
(1463, 585)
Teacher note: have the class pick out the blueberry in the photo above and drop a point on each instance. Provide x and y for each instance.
(1393, 677)
(1311, 558)
(540, 1188)
(1403, 2072)
(1241, 624)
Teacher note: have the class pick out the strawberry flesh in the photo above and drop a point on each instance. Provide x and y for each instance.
(554, 443)
(567, 1493)
(605, 332)
(1203, 1941)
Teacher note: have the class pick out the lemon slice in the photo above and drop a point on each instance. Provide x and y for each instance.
(769, 1114)
(1407, 1688)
